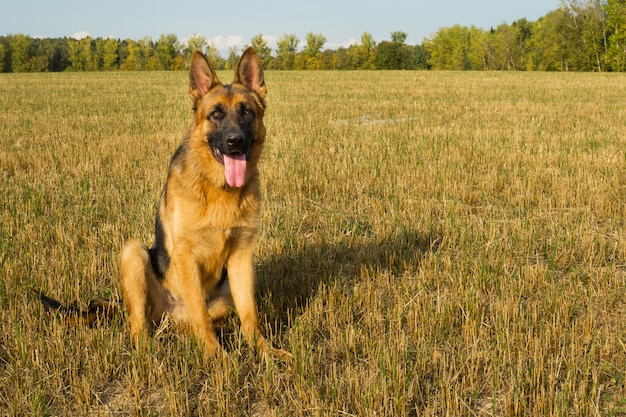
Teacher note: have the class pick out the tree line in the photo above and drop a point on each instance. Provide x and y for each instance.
(22, 53)
(581, 35)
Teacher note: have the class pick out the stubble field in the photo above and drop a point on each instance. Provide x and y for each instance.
(432, 244)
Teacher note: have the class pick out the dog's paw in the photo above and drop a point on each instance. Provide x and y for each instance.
(213, 352)
(283, 355)
(267, 353)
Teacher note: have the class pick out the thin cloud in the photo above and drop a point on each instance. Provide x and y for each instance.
(82, 34)
(272, 41)
(348, 44)
(223, 43)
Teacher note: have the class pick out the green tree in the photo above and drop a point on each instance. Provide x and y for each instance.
(214, 57)
(167, 48)
(110, 54)
(179, 63)
(233, 58)
(478, 49)
(286, 52)
(440, 48)
(393, 55)
(507, 48)
(471, 48)
(36, 63)
(448, 48)
(90, 58)
(517, 50)
(359, 57)
(3, 52)
(419, 58)
(76, 61)
(6, 57)
(259, 44)
(387, 56)
(586, 28)
(337, 60)
(20, 52)
(312, 52)
(550, 48)
(42, 53)
(81, 55)
(525, 32)
(57, 53)
(367, 41)
(133, 60)
(153, 63)
(398, 37)
(616, 28)
(195, 43)
(362, 56)
(150, 60)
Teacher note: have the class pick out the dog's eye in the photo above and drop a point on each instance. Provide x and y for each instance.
(216, 114)
(246, 111)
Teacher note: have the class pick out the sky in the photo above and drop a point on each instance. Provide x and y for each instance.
(235, 22)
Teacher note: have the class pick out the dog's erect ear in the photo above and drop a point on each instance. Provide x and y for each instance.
(250, 72)
(202, 78)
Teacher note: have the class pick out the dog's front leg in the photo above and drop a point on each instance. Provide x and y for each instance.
(187, 284)
(142, 292)
(241, 280)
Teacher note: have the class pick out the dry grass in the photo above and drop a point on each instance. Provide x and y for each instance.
(433, 244)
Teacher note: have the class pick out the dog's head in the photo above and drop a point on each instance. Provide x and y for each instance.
(230, 117)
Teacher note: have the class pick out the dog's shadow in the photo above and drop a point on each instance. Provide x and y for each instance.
(290, 279)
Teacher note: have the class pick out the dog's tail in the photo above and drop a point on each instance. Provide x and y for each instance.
(99, 310)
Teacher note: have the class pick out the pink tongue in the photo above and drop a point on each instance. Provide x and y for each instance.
(235, 169)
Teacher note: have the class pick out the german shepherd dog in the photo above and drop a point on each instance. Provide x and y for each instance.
(201, 262)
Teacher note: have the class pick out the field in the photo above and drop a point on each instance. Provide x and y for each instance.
(432, 244)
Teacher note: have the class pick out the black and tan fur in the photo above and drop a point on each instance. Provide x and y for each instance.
(201, 262)
(98, 309)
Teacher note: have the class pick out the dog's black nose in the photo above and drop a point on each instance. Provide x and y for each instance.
(235, 140)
